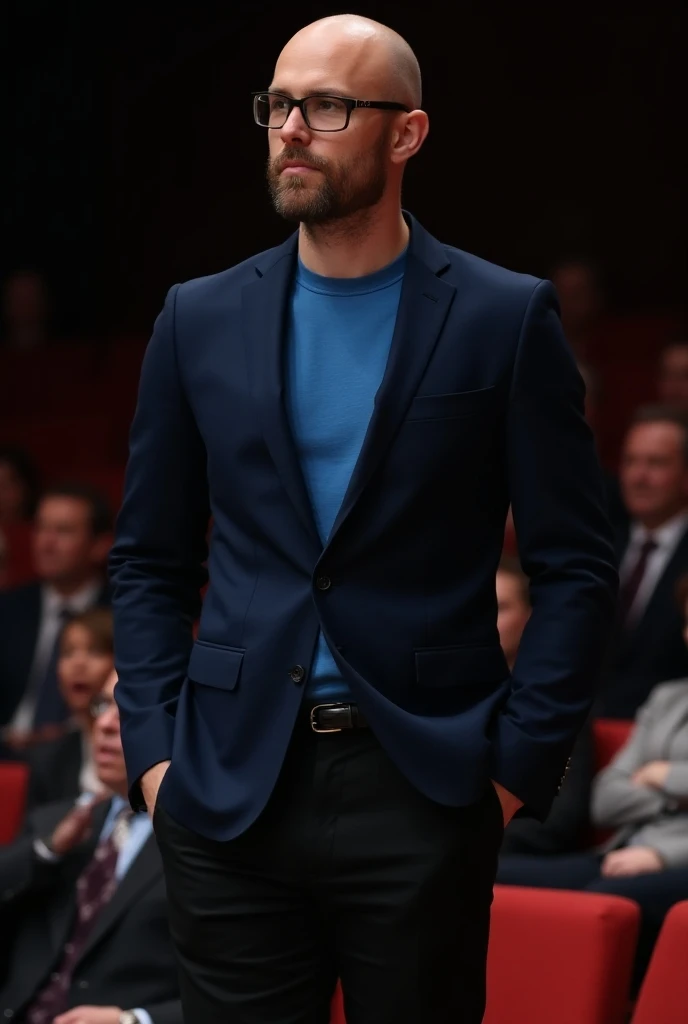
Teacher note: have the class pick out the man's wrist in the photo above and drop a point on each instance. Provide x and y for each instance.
(130, 1017)
(44, 851)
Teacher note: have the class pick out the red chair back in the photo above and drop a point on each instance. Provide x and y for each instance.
(563, 957)
(663, 997)
(14, 778)
(611, 734)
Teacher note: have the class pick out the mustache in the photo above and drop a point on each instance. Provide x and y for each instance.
(292, 154)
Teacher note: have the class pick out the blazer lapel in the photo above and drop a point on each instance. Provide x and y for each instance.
(660, 597)
(423, 309)
(144, 870)
(264, 308)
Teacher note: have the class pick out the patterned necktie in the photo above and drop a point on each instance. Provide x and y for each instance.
(50, 707)
(629, 591)
(94, 889)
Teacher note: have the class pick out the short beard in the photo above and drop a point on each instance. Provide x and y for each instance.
(346, 189)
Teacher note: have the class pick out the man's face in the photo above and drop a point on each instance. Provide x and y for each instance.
(672, 382)
(64, 547)
(107, 744)
(512, 613)
(654, 474)
(337, 174)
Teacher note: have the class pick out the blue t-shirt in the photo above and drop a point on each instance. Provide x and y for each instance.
(338, 341)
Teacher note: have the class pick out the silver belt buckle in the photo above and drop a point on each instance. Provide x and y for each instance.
(314, 726)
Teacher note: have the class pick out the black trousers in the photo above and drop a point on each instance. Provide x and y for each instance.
(349, 872)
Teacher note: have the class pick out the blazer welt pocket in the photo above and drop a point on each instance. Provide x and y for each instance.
(214, 665)
(451, 406)
(460, 666)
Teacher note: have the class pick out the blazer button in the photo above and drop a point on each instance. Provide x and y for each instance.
(8, 1014)
(297, 673)
(83, 984)
(323, 583)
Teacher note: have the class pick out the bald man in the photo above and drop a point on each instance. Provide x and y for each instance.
(330, 763)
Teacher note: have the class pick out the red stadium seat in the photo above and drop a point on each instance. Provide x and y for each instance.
(610, 736)
(563, 957)
(663, 997)
(14, 778)
(555, 958)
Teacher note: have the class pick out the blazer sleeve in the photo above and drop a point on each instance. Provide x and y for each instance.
(566, 548)
(565, 826)
(616, 799)
(157, 562)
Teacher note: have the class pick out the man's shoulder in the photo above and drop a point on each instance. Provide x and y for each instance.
(20, 599)
(221, 284)
(489, 276)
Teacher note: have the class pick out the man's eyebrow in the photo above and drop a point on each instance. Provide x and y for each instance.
(311, 92)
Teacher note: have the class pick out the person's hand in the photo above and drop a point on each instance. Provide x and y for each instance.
(653, 774)
(150, 784)
(632, 860)
(90, 1015)
(74, 828)
(20, 741)
(510, 803)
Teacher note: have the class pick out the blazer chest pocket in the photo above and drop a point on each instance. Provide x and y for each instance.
(461, 666)
(215, 665)
(452, 406)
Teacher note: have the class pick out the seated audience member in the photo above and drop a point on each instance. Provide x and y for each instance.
(577, 282)
(71, 539)
(672, 376)
(643, 796)
(85, 893)
(25, 313)
(565, 827)
(615, 506)
(18, 486)
(647, 646)
(63, 768)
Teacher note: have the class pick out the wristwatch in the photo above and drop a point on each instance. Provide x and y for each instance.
(128, 1017)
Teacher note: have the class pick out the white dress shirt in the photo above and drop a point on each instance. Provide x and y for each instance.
(667, 538)
(52, 606)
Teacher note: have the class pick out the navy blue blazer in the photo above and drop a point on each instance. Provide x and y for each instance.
(480, 405)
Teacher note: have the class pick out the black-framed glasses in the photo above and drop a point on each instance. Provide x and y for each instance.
(321, 113)
(100, 705)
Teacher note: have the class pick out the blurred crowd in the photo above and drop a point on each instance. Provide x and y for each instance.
(82, 902)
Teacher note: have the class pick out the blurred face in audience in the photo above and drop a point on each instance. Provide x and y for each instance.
(66, 551)
(513, 613)
(672, 381)
(579, 296)
(654, 472)
(83, 667)
(108, 756)
(13, 494)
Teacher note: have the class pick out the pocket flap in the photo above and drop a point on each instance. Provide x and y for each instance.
(460, 403)
(213, 665)
(454, 666)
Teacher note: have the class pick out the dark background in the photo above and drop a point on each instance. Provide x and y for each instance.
(134, 162)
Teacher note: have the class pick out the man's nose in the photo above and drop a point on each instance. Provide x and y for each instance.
(295, 128)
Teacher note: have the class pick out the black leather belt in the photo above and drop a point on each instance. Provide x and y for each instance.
(336, 717)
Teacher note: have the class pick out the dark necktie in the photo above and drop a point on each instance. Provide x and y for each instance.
(50, 707)
(629, 590)
(94, 889)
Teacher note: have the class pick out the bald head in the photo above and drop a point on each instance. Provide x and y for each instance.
(372, 57)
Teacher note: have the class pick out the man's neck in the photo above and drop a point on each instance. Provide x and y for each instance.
(68, 588)
(653, 523)
(354, 247)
